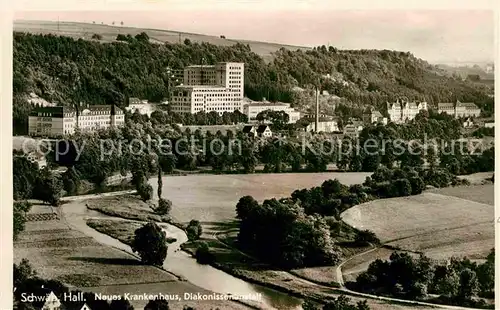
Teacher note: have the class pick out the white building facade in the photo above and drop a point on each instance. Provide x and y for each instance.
(253, 108)
(459, 109)
(210, 88)
(353, 130)
(60, 121)
(400, 112)
(141, 106)
(324, 126)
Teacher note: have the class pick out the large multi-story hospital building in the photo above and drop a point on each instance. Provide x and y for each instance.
(209, 88)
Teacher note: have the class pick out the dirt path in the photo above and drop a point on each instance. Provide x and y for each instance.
(404, 304)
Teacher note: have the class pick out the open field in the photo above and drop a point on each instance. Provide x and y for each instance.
(352, 268)
(123, 230)
(438, 225)
(58, 252)
(478, 178)
(126, 206)
(478, 193)
(85, 31)
(213, 198)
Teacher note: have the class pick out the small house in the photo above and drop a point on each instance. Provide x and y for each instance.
(264, 131)
(250, 130)
(468, 123)
(51, 302)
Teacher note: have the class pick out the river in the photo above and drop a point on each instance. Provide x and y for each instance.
(181, 263)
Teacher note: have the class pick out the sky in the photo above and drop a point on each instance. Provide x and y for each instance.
(438, 36)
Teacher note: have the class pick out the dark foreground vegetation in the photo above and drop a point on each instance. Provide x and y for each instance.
(455, 282)
(27, 283)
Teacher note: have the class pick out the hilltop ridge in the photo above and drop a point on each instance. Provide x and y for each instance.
(82, 30)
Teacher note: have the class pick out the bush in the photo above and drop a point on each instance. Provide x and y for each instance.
(203, 255)
(194, 230)
(121, 304)
(365, 237)
(151, 243)
(417, 185)
(418, 290)
(96, 36)
(245, 205)
(121, 37)
(438, 178)
(157, 304)
(164, 207)
(401, 187)
(145, 191)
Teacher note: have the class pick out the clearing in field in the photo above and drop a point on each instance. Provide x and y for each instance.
(213, 198)
(437, 225)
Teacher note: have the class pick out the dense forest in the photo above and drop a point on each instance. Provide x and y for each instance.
(65, 70)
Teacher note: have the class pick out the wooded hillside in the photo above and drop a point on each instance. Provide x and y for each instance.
(66, 70)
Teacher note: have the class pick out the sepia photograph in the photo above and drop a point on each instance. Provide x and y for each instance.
(297, 158)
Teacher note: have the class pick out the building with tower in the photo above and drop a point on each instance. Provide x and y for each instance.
(402, 111)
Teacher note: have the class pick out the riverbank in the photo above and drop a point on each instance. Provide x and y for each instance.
(207, 191)
(240, 265)
(58, 251)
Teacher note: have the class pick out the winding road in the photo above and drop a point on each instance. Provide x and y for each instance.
(338, 270)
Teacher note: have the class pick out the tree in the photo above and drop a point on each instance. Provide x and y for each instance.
(486, 274)
(203, 254)
(245, 206)
(143, 37)
(194, 230)
(401, 187)
(160, 181)
(23, 271)
(151, 243)
(164, 207)
(48, 187)
(309, 305)
(18, 221)
(332, 187)
(121, 304)
(145, 191)
(445, 281)
(417, 185)
(157, 304)
(365, 237)
(469, 285)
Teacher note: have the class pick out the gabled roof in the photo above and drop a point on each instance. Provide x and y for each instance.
(445, 105)
(262, 128)
(58, 111)
(468, 105)
(247, 129)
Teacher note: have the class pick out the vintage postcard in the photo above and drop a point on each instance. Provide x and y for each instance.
(229, 155)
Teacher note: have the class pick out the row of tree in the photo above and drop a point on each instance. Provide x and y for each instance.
(92, 160)
(456, 281)
(299, 231)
